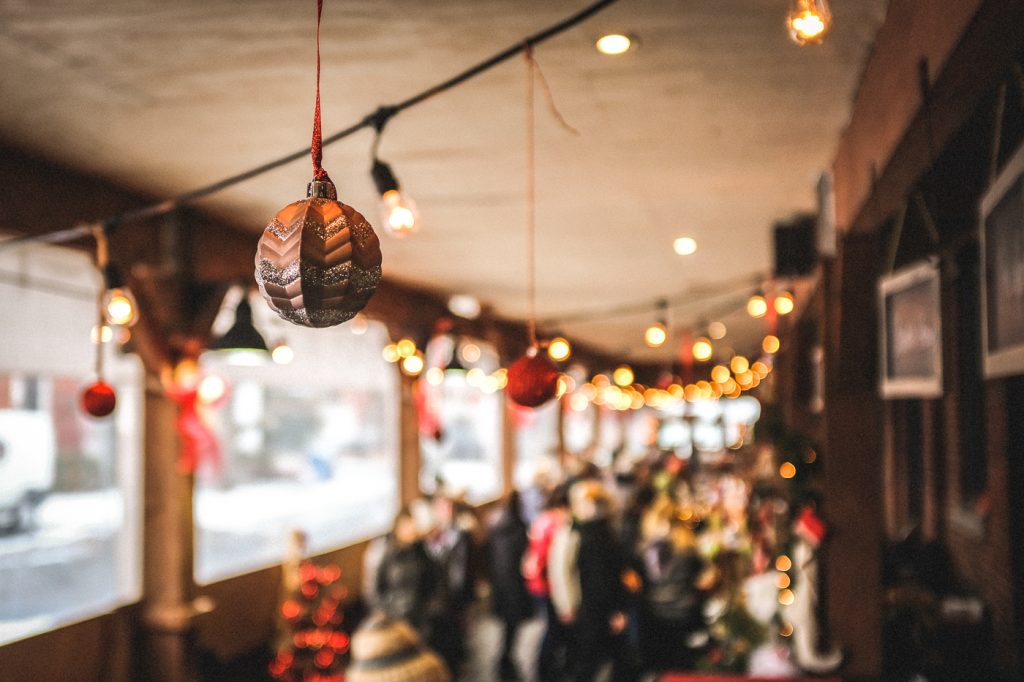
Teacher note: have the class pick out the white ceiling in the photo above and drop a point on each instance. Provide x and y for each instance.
(714, 128)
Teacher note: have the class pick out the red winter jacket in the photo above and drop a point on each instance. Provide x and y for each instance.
(535, 561)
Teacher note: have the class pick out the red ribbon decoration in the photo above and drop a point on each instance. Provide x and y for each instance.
(198, 442)
(317, 148)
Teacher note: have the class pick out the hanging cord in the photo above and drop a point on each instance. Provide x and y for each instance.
(191, 196)
(102, 260)
(317, 147)
(531, 201)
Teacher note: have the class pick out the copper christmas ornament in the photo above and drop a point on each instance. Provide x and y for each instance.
(318, 261)
(532, 379)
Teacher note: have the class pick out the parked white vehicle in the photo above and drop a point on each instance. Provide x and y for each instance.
(28, 456)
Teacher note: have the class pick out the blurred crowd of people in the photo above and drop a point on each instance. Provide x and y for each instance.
(647, 566)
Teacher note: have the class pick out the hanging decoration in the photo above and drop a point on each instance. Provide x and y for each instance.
(193, 393)
(532, 379)
(99, 398)
(318, 261)
(809, 21)
(397, 211)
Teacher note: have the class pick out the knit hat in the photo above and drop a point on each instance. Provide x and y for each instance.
(389, 650)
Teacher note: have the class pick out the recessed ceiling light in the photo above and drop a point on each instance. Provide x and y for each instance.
(465, 306)
(613, 43)
(684, 246)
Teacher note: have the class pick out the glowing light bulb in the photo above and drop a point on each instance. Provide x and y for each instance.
(406, 348)
(399, 213)
(470, 353)
(282, 353)
(102, 334)
(809, 21)
(720, 374)
(578, 402)
(717, 330)
(786, 597)
(390, 353)
(770, 344)
(656, 335)
(413, 364)
(783, 563)
(685, 246)
(739, 364)
(211, 389)
(757, 306)
(784, 303)
(702, 350)
(120, 308)
(787, 470)
(435, 376)
(559, 349)
(623, 375)
(613, 44)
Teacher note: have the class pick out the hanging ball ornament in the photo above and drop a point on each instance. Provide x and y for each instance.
(318, 261)
(99, 399)
(532, 379)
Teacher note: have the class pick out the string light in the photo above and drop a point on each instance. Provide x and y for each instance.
(809, 21)
(720, 374)
(559, 349)
(784, 303)
(623, 375)
(757, 306)
(413, 364)
(702, 349)
(655, 335)
(282, 353)
(739, 364)
(770, 344)
(398, 211)
(717, 330)
(120, 307)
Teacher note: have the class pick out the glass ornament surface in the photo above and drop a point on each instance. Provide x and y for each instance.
(318, 262)
(99, 399)
(532, 380)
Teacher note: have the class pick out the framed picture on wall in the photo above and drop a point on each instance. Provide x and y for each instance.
(910, 333)
(1002, 272)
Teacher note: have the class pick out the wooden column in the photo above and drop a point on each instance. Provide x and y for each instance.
(509, 451)
(409, 458)
(167, 583)
(853, 465)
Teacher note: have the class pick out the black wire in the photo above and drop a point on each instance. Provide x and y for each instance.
(377, 120)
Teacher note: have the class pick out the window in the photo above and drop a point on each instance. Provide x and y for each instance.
(536, 442)
(69, 484)
(311, 445)
(464, 454)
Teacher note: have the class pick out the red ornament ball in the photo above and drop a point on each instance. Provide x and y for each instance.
(532, 380)
(99, 399)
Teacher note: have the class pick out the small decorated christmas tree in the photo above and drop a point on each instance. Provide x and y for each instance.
(314, 645)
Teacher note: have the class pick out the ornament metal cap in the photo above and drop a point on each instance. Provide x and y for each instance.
(321, 189)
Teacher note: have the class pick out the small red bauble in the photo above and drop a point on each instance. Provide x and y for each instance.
(532, 379)
(99, 399)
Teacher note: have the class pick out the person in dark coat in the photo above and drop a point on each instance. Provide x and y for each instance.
(510, 601)
(672, 602)
(407, 578)
(600, 620)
